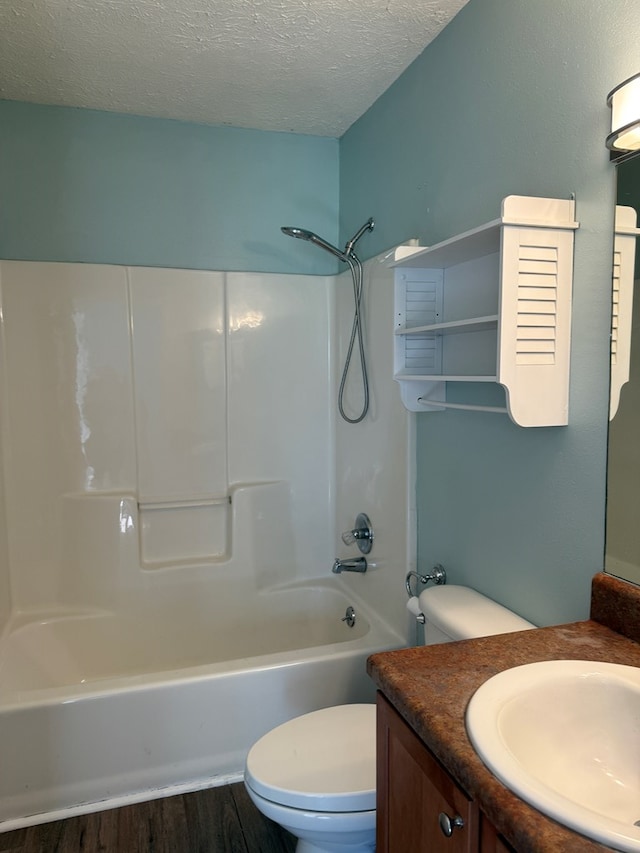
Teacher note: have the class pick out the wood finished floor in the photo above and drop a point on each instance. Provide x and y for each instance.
(218, 820)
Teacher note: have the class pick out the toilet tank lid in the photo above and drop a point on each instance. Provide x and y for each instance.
(463, 613)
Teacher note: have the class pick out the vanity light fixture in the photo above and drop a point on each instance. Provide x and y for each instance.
(624, 101)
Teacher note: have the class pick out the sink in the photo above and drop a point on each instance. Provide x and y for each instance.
(565, 737)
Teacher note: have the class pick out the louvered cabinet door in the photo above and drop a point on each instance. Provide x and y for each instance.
(535, 323)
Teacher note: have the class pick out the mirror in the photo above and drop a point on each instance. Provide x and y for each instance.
(622, 556)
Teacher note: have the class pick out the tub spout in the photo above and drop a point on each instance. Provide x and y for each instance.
(358, 564)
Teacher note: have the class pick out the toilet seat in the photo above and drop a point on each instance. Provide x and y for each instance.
(324, 761)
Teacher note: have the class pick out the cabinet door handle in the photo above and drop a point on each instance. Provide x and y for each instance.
(448, 824)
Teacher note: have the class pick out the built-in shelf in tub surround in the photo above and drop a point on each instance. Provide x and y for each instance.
(430, 687)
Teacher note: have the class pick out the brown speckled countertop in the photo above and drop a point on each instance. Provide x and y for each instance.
(430, 686)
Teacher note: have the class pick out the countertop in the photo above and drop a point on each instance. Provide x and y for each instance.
(430, 687)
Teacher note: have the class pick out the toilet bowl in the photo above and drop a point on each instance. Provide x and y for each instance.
(315, 775)
(323, 832)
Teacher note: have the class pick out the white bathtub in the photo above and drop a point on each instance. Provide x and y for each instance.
(97, 710)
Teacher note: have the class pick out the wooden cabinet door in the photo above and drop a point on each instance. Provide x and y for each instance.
(414, 791)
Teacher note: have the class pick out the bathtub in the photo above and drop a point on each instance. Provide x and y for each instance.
(100, 709)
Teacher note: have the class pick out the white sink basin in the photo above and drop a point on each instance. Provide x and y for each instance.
(565, 737)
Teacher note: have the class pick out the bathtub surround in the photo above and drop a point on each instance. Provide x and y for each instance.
(154, 397)
(146, 411)
(156, 427)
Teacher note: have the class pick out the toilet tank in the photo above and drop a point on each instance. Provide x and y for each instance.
(460, 613)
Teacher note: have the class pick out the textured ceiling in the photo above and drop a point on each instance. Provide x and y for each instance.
(306, 66)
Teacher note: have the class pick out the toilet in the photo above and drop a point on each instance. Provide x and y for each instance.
(315, 775)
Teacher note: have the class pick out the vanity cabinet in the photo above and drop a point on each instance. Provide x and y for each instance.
(420, 808)
(492, 305)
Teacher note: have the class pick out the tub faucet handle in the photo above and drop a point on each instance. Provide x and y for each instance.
(362, 534)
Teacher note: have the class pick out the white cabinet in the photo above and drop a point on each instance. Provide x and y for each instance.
(492, 305)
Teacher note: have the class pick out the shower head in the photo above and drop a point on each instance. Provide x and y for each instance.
(302, 234)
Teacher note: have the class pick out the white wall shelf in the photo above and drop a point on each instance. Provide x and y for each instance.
(490, 305)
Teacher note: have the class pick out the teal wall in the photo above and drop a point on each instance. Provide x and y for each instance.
(80, 185)
(510, 98)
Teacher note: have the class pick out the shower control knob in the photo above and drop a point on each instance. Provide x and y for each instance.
(349, 537)
(362, 534)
